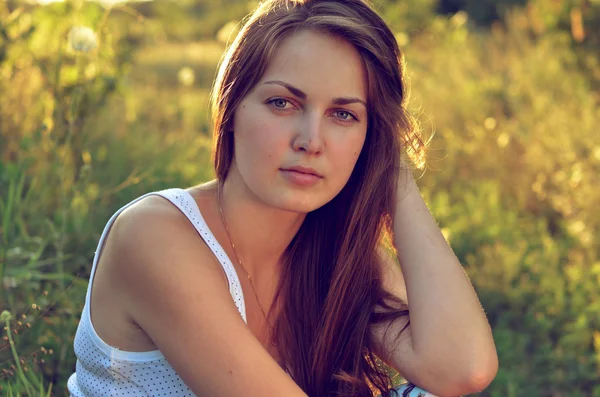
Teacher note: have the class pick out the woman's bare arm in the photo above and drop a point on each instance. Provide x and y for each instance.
(448, 348)
(174, 291)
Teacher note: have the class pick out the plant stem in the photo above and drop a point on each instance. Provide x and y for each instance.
(17, 361)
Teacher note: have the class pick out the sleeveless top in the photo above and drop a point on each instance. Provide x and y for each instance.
(102, 370)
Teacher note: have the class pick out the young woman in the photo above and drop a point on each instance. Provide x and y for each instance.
(273, 279)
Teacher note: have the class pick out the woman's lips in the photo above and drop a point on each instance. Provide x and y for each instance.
(300, 178)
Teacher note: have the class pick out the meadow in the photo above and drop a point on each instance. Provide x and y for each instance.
(507, 93)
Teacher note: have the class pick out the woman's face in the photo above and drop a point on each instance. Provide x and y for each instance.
(308, 110)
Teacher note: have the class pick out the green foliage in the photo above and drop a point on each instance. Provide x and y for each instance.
(513, 178)
(514, 181)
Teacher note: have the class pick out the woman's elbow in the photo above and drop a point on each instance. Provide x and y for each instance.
(475, 381)
(481, 377)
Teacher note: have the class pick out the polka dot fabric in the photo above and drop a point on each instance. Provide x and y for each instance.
(102, 370)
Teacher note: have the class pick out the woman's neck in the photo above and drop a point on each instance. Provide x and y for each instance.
(260, 232)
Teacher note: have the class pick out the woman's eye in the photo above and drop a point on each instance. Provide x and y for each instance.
(279, 103)
(344, 115)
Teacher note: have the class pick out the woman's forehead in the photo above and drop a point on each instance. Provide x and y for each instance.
(318, 64)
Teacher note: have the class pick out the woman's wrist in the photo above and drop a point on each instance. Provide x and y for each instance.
(406, 185)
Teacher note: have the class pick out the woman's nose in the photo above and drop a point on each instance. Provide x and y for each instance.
(308, 136)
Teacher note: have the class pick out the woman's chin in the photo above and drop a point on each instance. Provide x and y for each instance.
(300, 206)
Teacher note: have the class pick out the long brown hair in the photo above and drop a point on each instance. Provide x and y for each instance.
(331, 283)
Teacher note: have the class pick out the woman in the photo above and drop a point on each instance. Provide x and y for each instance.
(310, 120)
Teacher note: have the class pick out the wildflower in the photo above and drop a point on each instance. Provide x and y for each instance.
(576, 227)
(9, 282)
(460, 18)
(230, 29)
(490, 123)
(402, 39)
(503, 140)
(186, 76)
(5, 316)
(82, 39)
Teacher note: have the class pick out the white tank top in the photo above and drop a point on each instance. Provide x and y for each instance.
(102, 370)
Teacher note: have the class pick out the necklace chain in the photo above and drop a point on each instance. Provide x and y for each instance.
(219, 187)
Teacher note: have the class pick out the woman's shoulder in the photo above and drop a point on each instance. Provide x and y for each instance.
(150, 209)
(157, 212)
(145, 220)
(151, 234)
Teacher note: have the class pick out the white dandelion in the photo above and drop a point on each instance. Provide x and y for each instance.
(82, 39)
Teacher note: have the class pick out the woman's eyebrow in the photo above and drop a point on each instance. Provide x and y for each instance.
(296, 91)
(300, 94)
(348, 101)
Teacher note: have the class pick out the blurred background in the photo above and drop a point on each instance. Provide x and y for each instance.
(507, 90)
